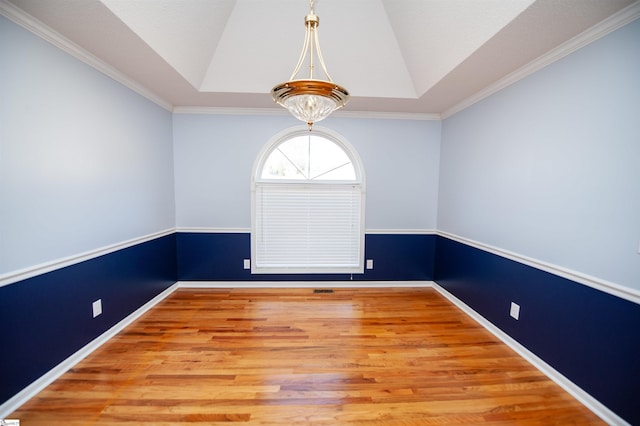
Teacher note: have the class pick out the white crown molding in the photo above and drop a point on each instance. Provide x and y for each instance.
(612, 23)
(623, 292)
(282, 113)
(388, 115)
(43, 31)
(43, 268)
(587, 400)
(204, 110)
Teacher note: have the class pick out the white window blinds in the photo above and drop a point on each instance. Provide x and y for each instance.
(308, 227)
(307, 205)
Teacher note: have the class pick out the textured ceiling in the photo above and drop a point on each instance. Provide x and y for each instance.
(410, 56)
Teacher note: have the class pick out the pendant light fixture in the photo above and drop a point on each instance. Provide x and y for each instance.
(310, 99)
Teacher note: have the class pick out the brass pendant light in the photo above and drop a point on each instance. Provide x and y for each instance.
(310, 99)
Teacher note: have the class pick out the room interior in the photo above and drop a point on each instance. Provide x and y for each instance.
(498, 140)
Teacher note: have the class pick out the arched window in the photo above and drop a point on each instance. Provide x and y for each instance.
(307, 205)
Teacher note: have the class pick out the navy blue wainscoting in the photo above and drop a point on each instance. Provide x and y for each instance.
(219, 257)
(400, 257)
(589, 336)
(47, 318)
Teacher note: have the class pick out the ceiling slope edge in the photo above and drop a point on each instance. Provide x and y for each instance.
(192, 30)
(412, 29)
(601, 29)
(19, 17)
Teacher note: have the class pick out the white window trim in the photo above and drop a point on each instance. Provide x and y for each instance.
(255, 180)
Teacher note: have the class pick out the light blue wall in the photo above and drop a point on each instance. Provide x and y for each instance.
(546, 168)
(213, 157)
(550, 167)
(84, 161)
(215, 154)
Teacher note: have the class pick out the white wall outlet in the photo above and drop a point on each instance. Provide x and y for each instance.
(369, 263)
(97, 307)
(247, 264)
(515, 310)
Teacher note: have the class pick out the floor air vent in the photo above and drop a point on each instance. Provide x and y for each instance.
(322, 290)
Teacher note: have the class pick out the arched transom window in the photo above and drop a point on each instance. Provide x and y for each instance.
(308, 205)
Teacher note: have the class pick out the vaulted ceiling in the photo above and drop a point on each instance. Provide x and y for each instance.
(408, 56)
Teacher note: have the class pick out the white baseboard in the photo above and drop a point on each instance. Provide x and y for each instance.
(302, 284)
(30, 391)
(574, 390)
(45, 380)
(590, 402)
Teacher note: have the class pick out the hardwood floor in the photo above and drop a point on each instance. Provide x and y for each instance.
(293, 357)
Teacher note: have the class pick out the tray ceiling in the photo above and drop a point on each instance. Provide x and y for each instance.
(409, 56)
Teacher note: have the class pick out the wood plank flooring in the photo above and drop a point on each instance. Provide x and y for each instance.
(293, 357)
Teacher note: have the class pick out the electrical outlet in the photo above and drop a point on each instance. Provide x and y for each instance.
(247, 264)
(97, 307)
(515, 310)
(369, 263)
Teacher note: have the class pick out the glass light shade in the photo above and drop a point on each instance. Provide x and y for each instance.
(310, 108)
